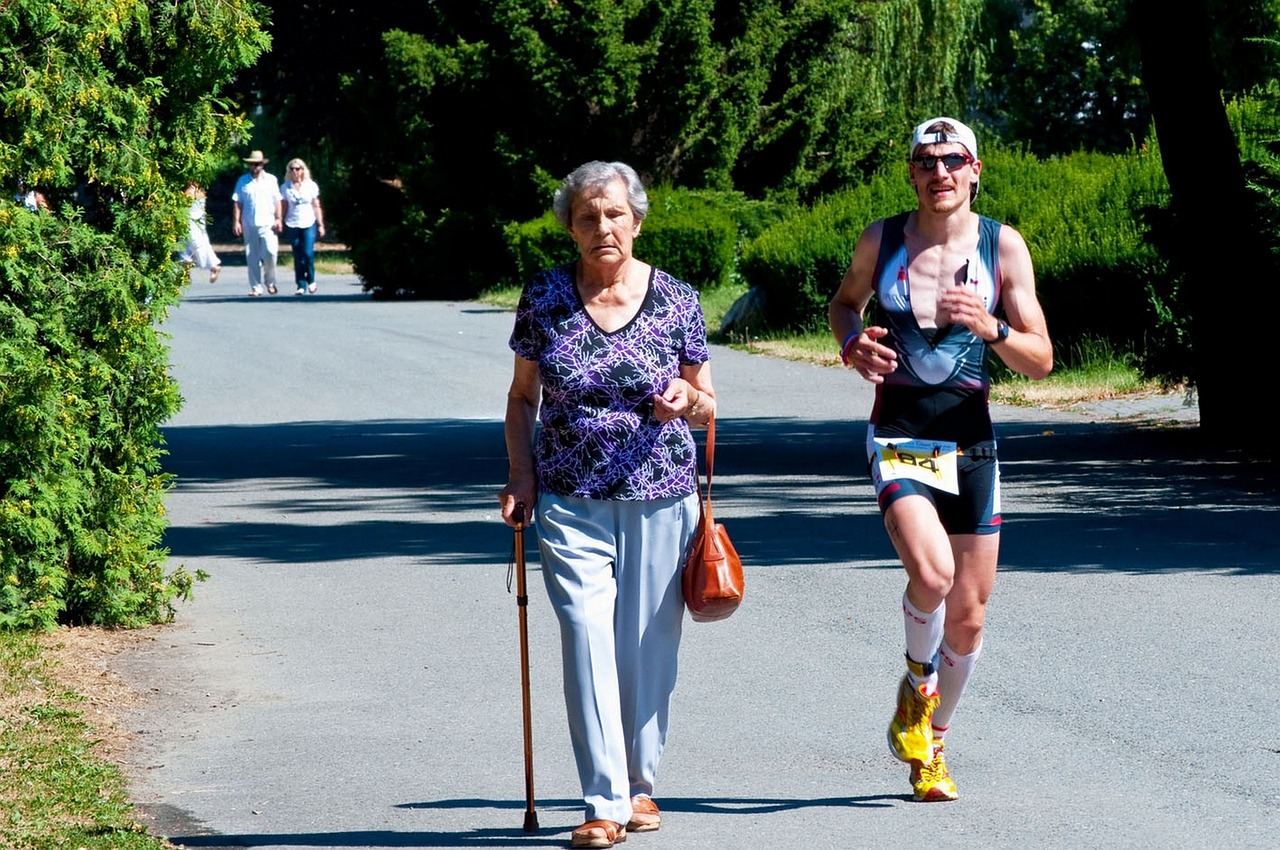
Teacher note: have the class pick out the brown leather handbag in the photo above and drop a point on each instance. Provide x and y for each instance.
(712, 579)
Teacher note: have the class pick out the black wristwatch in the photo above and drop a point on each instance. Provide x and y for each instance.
(1002, 332)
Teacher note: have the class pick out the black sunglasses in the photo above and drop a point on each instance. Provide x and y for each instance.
(950, 161)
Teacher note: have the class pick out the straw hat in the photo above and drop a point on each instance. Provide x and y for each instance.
(256, 156)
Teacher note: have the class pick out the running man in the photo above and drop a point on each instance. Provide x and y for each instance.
(942, 276)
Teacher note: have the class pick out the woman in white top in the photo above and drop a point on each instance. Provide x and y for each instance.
(303, 222)
(198, 251)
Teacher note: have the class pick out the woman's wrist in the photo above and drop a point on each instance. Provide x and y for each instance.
(698, 409)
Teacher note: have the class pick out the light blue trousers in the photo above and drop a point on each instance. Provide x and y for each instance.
(612, 570)
(260, 248)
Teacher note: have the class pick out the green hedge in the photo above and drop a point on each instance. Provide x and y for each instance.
(798, 262)
(108, 109)
(694, 235)
(1085, 218)
(84, 389)
(1092, 222)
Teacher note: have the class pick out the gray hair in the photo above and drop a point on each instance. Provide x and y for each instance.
(596, 175)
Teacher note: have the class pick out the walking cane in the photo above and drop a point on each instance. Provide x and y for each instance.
(522, 604)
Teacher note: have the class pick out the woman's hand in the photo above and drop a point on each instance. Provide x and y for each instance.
(871, 359)
(517, 492)
(675, 401)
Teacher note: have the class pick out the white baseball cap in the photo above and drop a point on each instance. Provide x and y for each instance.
(961, 134)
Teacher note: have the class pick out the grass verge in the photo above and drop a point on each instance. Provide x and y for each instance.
(57, 790)
(327, 262)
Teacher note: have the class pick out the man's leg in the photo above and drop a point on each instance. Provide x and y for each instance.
(975, 572)
(253, 260)
(271, 246)
(976, 556)
(922, 545)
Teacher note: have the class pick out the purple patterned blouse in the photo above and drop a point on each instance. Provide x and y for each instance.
(599, 438)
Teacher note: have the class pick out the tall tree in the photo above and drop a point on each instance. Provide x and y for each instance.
(1211, 206)
(1066, 75)
(470, 117)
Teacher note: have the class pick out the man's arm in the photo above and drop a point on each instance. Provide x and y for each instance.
(859, 348)
(1027, 350)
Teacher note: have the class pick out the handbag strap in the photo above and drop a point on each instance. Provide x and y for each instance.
(711, 461)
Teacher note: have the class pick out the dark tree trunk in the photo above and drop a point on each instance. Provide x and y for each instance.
(1226, 262)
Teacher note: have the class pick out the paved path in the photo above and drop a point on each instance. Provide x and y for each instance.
(349, 675)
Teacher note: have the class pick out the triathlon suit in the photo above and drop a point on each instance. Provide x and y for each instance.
(940, 389)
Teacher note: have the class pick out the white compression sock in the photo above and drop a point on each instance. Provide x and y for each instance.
(924, 632)
(953, 674)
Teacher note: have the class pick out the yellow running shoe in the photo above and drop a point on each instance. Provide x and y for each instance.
(932, 782)
(910, 731)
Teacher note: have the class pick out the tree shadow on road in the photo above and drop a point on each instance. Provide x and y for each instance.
(1077, 495)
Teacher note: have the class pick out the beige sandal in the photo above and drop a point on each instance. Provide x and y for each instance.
(599, 833)
(645, 816)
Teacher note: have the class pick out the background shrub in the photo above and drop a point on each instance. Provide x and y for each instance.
(798, 262)
(1087, 219)
(695, 235)
(108, 109)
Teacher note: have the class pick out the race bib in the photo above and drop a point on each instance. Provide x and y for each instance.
(931, 462)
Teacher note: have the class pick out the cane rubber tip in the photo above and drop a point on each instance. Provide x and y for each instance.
(530, 822)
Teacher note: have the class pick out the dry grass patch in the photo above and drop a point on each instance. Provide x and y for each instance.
(61, 739)
(79, 661)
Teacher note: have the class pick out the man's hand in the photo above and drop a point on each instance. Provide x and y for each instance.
(963, 306)
(871, 359)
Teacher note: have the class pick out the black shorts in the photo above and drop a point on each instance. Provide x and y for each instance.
(974, 510)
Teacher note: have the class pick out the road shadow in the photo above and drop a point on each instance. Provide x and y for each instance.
(190, 835)
(1078, 495)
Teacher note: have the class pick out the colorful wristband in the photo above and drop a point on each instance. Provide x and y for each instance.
(844, 348)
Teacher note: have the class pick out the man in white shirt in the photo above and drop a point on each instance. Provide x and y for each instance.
(258, 217)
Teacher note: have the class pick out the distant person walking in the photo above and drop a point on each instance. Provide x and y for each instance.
(198, 252)
(940, 275)
(303, 222)
(259, 217)
(32, 199)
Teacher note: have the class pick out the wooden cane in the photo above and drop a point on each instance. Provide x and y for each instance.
(522, 604)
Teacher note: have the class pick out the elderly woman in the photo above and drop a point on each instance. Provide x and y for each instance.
(615, 352)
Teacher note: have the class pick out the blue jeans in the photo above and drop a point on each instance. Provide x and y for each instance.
(303, 241)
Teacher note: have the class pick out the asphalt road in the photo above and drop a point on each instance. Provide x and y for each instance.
(348, 677)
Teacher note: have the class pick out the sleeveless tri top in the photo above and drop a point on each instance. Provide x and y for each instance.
(939, 390)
